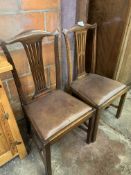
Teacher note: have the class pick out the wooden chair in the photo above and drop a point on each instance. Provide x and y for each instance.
(51, 112)
(95, 90)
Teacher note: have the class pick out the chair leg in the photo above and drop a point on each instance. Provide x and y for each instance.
(47, 159)
(90, 129)
(96, 123)
(121, 104)
(29, 133)
(28, 126)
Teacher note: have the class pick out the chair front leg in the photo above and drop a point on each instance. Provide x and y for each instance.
(121, 104)
(90, 129)
(28, 123)
(29, 132)
(96, 123)
(47, 159)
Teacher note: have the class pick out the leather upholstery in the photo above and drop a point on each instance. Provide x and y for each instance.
(96, 89)
(53, 112)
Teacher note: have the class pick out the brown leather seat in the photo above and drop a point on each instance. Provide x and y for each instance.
(96, 89)
(55, 111)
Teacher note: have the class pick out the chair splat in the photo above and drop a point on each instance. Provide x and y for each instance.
(80, 37)
(34, 54)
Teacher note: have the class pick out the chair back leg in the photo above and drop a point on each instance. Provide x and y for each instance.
(121, 104)
(96, 123)
(90, 129)
(47, 159)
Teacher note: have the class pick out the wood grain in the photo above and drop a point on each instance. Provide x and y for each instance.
(123, 69)
(6, 128)
(111, 17)
(4, 147)
(9, 132)
(4, 65)
(12, 125)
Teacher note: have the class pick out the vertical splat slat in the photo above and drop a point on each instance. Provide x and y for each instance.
(34, 54)
(80, 33)
(81, 45)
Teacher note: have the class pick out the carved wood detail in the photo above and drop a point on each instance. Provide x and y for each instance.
(80, 49)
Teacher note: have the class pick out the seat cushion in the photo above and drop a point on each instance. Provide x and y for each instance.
(53, 112)
(96, 89)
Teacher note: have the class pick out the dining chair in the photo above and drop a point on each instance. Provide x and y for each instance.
(96, 90)
(51, 112)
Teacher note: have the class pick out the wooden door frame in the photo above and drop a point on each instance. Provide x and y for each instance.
(121, 57)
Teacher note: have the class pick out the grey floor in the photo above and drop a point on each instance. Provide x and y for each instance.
(109, 155)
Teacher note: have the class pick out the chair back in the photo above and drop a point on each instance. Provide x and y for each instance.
(32, 43)
(80, 41)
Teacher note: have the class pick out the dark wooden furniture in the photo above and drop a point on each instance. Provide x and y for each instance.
(114, 37)
(52, 113)
(93, 89)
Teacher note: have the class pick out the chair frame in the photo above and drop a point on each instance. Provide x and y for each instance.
(80, 33)
(31, 40)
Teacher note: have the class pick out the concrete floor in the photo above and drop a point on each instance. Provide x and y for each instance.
(109, 155)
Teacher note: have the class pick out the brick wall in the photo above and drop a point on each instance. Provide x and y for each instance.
(15, 17)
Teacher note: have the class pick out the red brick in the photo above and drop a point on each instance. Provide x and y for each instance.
(6, 89)
(39, 4)
(13, 91)
(33, 21)
(52, 75)
(47, 76)
(8, 5)
(17, 110)
(27, 85)
(52, 21)
(21, 61)
(48, 53)
(6, 75)
(10, 25)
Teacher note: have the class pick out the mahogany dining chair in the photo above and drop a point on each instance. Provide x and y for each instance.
(96, 90)
(51, 113)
